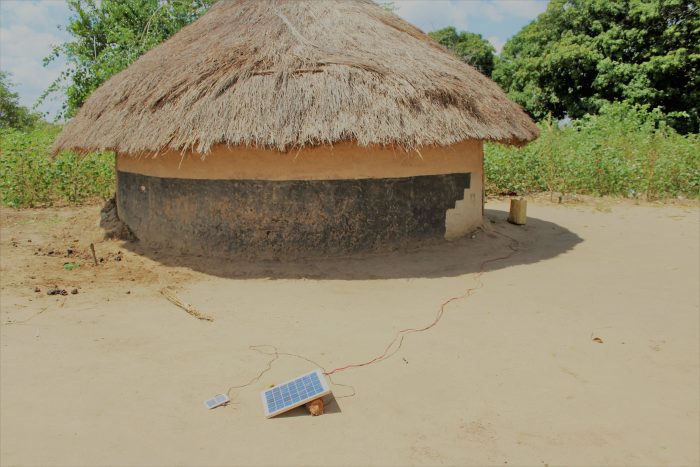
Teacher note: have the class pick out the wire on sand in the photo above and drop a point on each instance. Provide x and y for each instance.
(397, 342)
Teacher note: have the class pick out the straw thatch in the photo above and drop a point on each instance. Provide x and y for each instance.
(285, 74)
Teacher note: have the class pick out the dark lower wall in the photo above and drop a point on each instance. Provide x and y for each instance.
(286, 218)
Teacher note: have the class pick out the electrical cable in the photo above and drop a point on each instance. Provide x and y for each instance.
(401, 334)
(398, 337)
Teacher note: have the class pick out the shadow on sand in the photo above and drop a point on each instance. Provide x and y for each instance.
(331, 408)
(537, 241)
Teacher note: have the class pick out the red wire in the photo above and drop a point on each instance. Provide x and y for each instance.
(400, 335)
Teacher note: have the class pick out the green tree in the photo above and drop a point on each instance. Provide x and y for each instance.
(580, 54)
(109, 35)
(13, 115)
(470, 47)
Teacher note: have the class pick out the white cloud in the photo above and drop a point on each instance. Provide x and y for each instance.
(522, 8)
(28, 32)
(22, 45)
(28, 12)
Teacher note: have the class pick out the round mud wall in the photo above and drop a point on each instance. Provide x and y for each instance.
(317, 201)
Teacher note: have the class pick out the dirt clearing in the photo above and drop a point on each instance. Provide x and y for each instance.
(581, 348)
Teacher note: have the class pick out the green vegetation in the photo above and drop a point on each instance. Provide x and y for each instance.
(470, 47)
(109, 35)
(573, 61)
(30, 176)
(580, 54)
(13, 115)
(625, 150)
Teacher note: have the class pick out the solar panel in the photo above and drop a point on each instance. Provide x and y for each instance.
(294, 393)
(217, 400)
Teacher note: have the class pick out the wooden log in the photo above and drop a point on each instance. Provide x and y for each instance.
(518, 211)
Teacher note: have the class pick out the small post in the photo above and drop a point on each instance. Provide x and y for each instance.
(518, 211)
(94, 256)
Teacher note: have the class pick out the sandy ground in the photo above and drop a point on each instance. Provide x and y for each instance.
(514, 374)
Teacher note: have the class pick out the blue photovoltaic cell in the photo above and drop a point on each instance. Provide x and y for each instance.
(294, 393)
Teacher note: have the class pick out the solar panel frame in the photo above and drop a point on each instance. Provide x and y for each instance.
(294, 393)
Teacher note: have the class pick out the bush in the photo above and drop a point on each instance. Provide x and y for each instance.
(30, 176)
(625, 150)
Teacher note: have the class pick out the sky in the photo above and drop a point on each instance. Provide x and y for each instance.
(30, 28)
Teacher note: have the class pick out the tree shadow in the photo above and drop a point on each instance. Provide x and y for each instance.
(537, 241)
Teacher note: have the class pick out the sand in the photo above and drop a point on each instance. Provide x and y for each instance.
(581, 349)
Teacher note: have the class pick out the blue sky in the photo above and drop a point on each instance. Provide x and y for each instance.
(29, 28)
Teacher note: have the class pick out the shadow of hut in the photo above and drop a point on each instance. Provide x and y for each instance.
(539, 240)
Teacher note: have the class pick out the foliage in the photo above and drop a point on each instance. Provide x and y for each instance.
(579, 54)
(30, 176)
(109, 35)
(625, 150)
(13, 115)
(470, 47)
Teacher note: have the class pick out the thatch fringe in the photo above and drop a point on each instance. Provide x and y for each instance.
(282, 74)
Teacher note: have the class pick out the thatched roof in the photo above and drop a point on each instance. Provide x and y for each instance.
(286, 74)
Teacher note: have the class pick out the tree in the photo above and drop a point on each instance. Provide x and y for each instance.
(470, 47)
(580, 54)
(109, 35)
(13, 115)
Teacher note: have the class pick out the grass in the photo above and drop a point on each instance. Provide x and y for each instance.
(623, 151)
(31, 177)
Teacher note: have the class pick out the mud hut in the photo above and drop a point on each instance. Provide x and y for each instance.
(297, 127)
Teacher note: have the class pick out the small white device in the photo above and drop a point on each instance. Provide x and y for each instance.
(216, 401)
